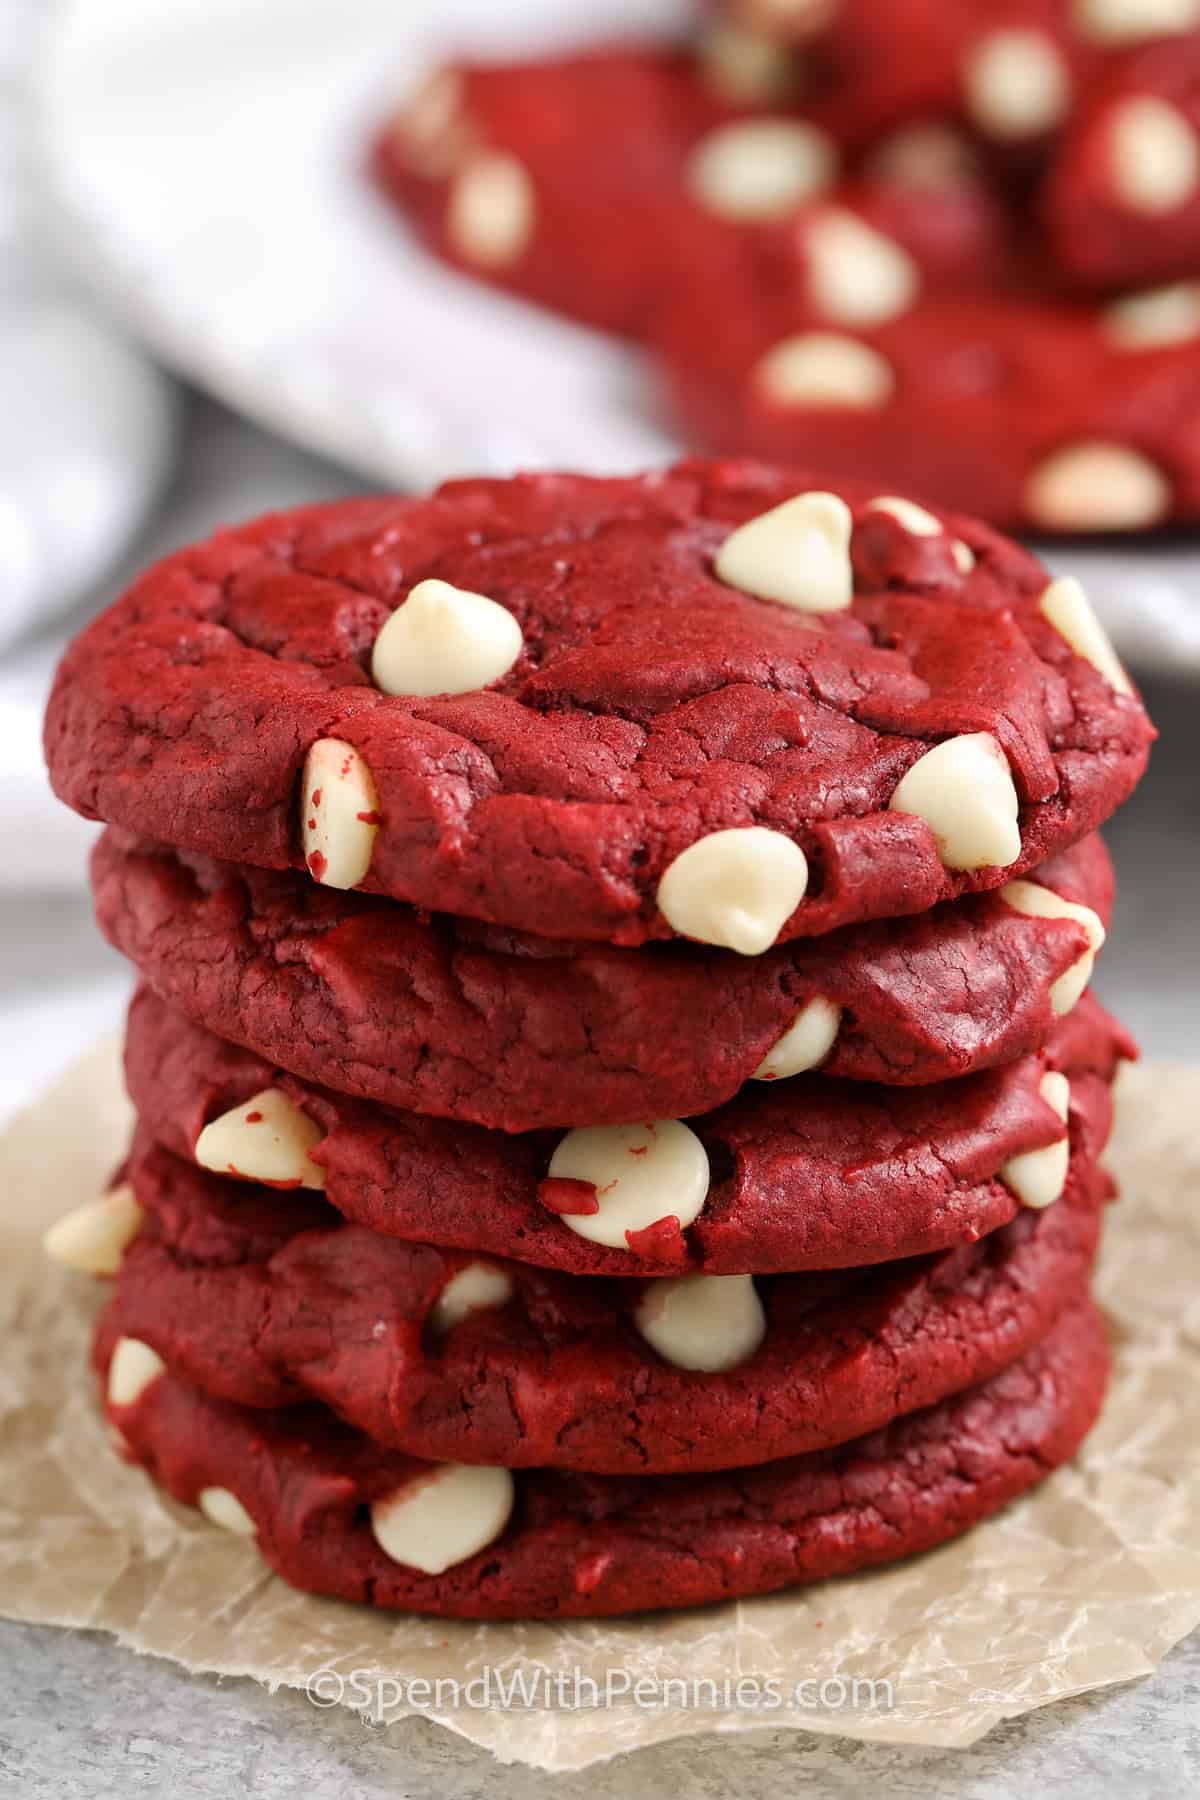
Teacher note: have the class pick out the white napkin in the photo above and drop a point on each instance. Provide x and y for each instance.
(87, 425)
(87, 433)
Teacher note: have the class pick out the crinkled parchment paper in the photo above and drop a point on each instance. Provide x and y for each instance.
(1086, 1582)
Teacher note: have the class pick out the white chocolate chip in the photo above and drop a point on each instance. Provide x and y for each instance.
(94, 1237)
(963, 789)
(856, 276)
(474, 1289)
(428, 120)
(491, 211)
(133, 1367)
(964, 556)
(1065, 606)
(1097, 486)
(267, 1139)
(1154, 156)
(1127, 21)
(913, 518)
(443, 1517)
(926, 156)
(1155, 319)
(339, 814)
(805, 1044)
(761, 168)
(226, 1510)
(641, 1174)
(746, 67)
(1017, 84)
(1039, 902)
(705, 1322)
(821, 368)
(797, 554)
(1038, 1177)
(735, 888)
(444, 640)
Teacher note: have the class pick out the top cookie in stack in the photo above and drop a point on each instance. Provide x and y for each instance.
(567, 901)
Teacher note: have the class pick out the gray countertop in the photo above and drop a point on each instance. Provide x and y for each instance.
(81, 1717)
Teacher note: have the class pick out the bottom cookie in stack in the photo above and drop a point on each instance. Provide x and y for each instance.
(335, 1513)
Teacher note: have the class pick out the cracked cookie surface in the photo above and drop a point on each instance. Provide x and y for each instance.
(588, 1545)
(803, 1174)
(653, 705)
(268, 1299)
(468, 1022)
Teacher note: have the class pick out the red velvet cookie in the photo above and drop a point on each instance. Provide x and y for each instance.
(1013, 71)
(1123, 192)
(662, 723)
(1038, 415)
(262, 1300)
(560, 179)
(440, 1017)
(598, 184)
(1008, 67)
(335, 1514)
(800, 1174)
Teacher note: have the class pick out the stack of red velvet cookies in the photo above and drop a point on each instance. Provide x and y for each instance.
(619, 1112)
(906, 240)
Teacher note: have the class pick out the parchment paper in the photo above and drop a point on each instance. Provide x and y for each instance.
(1087, 1582)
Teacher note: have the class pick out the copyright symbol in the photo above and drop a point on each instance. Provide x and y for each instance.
(324, 1687)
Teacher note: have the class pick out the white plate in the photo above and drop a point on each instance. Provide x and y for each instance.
(208, 154)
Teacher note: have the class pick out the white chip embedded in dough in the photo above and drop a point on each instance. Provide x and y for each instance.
(805, 1044)
(444, 640)
(1155, 319)
(1097, 486)
(735, 888)
(761, 168)
(641, 1174)
(226, 1510)
(1127, 21)
(1065, 606)
(744, 66)
(492, 211)
(798, 554)
(134, 1365)
(1153, 155)
(823, 368)
(444, 1516)
(856, 276)
(1017, 84)
(267, 1138)
(339, 814)
(963, 789)
(704, 1322)
(1038, 1177)
(913, 518)
(94, 1237)
(430, 122)
(475, 1288)
(1040, 902)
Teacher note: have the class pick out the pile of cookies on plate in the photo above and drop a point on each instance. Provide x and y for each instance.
(619, 1108)
(949, 247)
